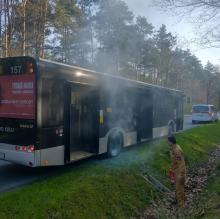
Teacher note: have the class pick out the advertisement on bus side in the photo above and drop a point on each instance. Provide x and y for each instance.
(17, 96)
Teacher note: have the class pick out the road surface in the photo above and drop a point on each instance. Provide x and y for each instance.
(187, 124)
(13, 175)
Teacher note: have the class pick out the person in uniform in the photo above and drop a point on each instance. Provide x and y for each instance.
(178, 170)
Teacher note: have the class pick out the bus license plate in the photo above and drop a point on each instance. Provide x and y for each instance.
(2, 156)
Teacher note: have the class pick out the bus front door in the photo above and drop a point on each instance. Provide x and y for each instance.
(84, 126)
(145, 117)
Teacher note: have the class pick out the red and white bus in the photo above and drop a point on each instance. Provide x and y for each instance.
(53, 114)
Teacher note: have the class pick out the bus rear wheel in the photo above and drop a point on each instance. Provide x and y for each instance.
(114, 145)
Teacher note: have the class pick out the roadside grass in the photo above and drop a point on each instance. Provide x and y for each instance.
(107, 188)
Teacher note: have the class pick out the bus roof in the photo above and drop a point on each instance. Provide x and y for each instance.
(74, 70)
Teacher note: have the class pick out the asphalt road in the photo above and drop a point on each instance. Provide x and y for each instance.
(188, 122)
(13, 175)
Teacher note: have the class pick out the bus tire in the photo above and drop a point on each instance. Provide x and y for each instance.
(114, 145)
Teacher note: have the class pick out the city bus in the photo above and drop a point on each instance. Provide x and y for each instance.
(53, 113)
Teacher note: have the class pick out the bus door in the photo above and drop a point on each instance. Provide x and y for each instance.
(145, 116)
(179, 113)
(84, 121)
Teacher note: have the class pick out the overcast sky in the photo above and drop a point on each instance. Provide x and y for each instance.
(183, 29)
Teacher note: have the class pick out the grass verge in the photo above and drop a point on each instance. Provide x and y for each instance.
(111, 188)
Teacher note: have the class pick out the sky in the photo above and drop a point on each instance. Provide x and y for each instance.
(184, 30)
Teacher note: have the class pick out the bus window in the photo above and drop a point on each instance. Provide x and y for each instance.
(18, 66)
(52, 102)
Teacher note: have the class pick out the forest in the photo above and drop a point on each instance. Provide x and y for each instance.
(105, 36)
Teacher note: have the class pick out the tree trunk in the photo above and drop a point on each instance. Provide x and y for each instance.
(24, 2)
(44, 28)
(6, 29)
(1, 8)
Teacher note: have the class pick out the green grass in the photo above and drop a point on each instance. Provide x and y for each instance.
(110, 188)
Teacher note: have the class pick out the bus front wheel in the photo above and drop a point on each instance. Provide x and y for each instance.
(114, 145)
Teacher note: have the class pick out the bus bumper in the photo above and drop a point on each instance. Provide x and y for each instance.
(45, 157)
(8, 153)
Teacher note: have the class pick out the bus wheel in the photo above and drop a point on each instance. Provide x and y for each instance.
(114, 145)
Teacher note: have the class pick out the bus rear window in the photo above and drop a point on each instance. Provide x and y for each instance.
(17, 66)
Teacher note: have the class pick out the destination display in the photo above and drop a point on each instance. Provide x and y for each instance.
(16, 66)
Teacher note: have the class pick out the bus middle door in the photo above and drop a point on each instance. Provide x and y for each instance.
(145, 116)
(84, 126)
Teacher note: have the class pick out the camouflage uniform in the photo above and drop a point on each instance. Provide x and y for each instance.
(179, 169)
